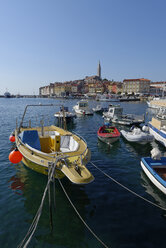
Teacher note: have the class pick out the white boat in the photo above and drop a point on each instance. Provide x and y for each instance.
(109, 98)
(64, 113)
(157, 103)
(137, 135)
(115, 115)
(157, 127)
(82, 108)
(97, 109)
(155, 169)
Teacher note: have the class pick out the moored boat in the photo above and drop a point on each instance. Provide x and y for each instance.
(42, 146)
(115, 115)
(64, 113)
(155, 169)
(137, 135)
(98, 109)
(7, 94)
(82, 108)
(108, 134)
(157, 127)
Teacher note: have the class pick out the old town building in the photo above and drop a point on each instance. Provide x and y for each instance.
(140, 85)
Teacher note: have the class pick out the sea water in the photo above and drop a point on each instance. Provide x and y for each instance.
(116, 216)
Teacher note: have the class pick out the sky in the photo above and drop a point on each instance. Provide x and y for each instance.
(47, 41)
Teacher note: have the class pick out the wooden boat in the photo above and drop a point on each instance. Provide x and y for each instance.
(108, 134)
(155, 171)
(42, 146)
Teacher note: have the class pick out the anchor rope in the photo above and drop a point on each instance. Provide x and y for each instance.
(131, 191)
(35, 221)
(78, 214)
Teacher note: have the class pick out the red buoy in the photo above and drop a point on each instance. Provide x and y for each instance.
(15, 156)
(12, 138)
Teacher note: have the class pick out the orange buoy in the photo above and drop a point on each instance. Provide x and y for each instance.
(12, 138)
(15, 156)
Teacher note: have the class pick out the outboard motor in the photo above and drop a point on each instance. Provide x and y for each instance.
(145, 129)
(155, 154)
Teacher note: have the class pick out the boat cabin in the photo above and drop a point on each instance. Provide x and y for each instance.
(159, 123)
(115, 110)
(83, 104)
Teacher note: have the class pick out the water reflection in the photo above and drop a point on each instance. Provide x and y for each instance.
(16, 184)
(153, 191)
(68, 230)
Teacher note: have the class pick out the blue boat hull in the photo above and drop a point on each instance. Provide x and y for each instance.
(156, 171)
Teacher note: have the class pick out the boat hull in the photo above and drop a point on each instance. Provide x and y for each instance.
(71, 164)
(154, 177)
(141, 138)
(83, 112)
(108, 134)
(39, 168)
(158, 134)
(108, 140)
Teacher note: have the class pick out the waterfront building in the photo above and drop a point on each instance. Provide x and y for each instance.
(60, 89)
(96, 88)
(44, 91)
(117, 87)
(140, 85)
(158, 88)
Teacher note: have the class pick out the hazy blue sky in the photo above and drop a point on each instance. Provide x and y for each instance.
(43, 41)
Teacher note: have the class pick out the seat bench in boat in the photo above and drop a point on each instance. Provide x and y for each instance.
(51, 142)
(158, 165)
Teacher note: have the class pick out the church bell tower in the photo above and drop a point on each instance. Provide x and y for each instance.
(99, 70)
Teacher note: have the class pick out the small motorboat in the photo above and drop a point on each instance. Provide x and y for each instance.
(82, 108)
(115, 115)
(98, 109)
(108, 134)
(39, 147)
(64, 113)
(155, 169)
(137, 135)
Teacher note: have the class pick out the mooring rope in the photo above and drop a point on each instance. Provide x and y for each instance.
(35, 221)
(75, 209)
(131, 191)
(32, 228)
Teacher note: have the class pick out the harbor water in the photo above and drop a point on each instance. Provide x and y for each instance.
(118, 217)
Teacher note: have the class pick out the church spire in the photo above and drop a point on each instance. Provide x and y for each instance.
(99, 70)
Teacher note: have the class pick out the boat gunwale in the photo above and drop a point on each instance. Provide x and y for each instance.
(153, 172)
(54, 154)
(108, 135)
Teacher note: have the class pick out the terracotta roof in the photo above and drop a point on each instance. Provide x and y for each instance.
(137, 79)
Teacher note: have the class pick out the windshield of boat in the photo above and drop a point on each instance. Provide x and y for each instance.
(118, 111)
(83, 104)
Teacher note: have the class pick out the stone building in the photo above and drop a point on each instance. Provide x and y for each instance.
(140, 85)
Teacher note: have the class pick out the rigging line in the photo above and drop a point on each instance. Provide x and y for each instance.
(87, 226)
(134, 193)
(35, 221)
